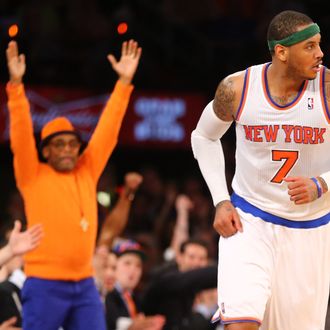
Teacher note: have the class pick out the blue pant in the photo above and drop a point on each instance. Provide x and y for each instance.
(50, 304)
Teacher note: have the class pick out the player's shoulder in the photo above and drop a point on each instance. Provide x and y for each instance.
(234, 84)
(235, 81)
(228, 95)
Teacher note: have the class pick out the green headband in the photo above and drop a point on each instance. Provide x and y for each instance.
(296, 37)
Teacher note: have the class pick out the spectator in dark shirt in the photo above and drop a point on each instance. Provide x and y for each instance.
(173, 288)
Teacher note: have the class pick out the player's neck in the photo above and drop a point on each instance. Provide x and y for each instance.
(280, 83)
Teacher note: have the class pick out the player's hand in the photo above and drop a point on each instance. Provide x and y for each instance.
(129, 60)
(227, 221)
(301, 190)
(15, 62)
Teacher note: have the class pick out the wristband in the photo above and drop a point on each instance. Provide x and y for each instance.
(319, 188)
(325, 177)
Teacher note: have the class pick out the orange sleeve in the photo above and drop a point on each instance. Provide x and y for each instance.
(105, 136)
(22, 140)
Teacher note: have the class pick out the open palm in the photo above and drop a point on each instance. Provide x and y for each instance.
(22, 242)
(129, 60)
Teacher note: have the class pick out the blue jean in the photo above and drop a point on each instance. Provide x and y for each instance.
(50, 304)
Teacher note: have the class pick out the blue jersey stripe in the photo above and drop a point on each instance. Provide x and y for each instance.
(245, 206)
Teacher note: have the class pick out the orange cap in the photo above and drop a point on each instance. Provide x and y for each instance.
(59, 125)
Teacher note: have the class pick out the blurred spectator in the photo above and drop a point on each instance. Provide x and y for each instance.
(10, 292)
(165, 219)
(9, 324)
(106, 194)
(114, 224)
(117, 218)
(15, 207)
(122, 308)
(109, 279)
(105, 264)
(100, 263)
(148, 202)
(11, 257)
(205, 305)
(172, 290)
(181, 228)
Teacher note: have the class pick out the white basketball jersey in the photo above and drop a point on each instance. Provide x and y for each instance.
(275, 141)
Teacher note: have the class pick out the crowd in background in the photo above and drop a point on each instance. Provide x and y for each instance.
(166, 229)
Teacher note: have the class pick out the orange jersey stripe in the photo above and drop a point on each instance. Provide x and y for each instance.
(244, 93)
(323, 96)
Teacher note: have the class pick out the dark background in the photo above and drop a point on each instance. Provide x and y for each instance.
(188, 46)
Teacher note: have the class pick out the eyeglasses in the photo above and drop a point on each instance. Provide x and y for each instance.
(61, 144)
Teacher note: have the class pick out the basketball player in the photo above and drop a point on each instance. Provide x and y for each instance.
(61, 194)
(274, 249)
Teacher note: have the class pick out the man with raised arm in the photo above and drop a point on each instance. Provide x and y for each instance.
(61, 194)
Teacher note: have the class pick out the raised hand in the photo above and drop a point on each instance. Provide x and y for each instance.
(22, 242)
(15, 62)
(129, 60)
(183, 203)
(133, 180)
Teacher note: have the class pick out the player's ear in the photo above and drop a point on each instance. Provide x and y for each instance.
(281, 52)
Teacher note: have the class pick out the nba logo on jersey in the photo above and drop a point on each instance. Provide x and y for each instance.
(310, 103)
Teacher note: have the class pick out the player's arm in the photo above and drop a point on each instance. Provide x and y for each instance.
(215, 120)
(105, 136)
(304, 190)
(21, 128)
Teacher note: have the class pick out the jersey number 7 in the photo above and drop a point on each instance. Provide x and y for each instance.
(290, 157)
